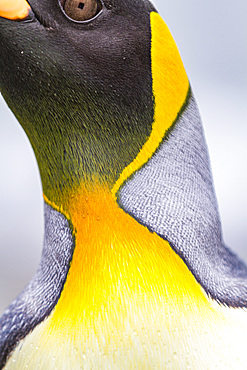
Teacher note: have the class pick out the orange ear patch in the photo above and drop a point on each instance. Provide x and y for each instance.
(14, 9)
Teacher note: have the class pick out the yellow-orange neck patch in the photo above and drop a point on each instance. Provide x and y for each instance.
(118, 262)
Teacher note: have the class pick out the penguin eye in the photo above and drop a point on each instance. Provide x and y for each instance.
(81, 10)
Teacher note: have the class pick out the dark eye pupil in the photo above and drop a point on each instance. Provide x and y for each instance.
(81, 5)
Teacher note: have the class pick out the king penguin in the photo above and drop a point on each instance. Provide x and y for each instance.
(134, 272)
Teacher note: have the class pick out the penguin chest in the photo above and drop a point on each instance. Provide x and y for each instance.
(129, 301)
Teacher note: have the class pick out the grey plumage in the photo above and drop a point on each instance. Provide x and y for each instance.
(173, 195)
(40, 296)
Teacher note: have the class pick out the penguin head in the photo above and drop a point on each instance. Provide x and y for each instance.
(95, 84)
(52, 61)
(77, 75)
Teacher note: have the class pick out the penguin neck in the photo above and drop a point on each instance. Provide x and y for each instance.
(86, 155)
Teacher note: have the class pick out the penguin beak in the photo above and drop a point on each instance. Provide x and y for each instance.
(14, 9)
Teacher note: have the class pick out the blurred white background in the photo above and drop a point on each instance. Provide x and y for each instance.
(212, 39)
